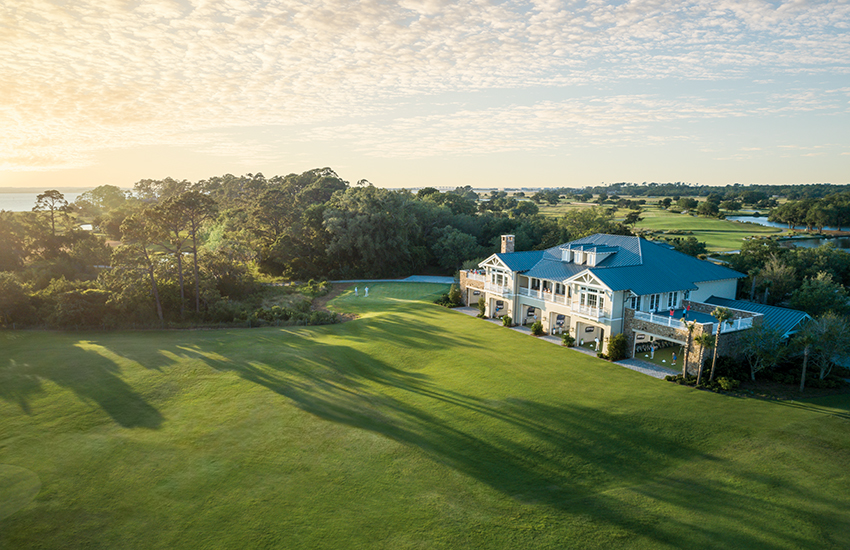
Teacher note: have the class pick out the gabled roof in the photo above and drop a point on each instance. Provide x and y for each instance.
(629, 263)
(554, 270)
(520, 261)
(783, 319)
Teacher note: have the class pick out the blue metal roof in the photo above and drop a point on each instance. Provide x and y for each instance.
(631, 263)
(554, 270)
(783, 319)
(520, 261)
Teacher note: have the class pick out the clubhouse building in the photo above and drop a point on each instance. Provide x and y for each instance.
(603, 285)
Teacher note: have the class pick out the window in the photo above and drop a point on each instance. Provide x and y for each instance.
(547, 286)
(592, 298)
(635, 302)
(654, 301)
(535, 284)
(672, 300)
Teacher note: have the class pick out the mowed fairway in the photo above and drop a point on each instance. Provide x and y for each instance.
(718, 235)
(410, 427)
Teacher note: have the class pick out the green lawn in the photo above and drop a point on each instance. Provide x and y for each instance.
(410, 427)
(563, 207)
(719, 235)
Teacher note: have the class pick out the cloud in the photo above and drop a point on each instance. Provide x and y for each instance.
(91, 75)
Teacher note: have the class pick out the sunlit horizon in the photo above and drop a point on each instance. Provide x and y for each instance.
(426, 92)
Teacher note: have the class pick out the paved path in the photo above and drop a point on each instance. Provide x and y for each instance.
(646, 368)
(634, 364)
(411, 279)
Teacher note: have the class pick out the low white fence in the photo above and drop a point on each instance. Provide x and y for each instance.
(665, 320)
(480, 277)
(668, 321)
(543, 295)
(735, 325)
(498, 289)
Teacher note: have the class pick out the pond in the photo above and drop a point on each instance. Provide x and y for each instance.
(762, 220)
(842, 243)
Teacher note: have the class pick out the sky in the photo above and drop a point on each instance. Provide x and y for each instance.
(413, 93)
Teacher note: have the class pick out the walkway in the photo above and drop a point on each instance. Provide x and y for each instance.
(633, 364)
(646, 368)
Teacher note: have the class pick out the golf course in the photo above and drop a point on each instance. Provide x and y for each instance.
(411, 426)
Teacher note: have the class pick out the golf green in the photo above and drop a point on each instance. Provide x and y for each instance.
(411, 426)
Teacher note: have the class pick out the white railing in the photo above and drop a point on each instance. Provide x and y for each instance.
(498, 289)
(587, 311)
(665, 320)
(531, 293)
(735, 325)
(544, 295)
(482, 278)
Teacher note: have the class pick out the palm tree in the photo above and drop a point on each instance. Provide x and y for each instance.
(704, 340)
(722, 314)
(690, 327)
(806, 341)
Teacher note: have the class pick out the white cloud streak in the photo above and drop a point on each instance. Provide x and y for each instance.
(86, 76)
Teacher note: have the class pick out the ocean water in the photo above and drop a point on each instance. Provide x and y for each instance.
(23, 202)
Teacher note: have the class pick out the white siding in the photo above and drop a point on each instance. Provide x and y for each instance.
(722, 289)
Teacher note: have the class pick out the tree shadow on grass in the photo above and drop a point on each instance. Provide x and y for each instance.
(93, 377)
(580, 460)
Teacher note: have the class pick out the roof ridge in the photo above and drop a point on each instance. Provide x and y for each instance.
(640, 250)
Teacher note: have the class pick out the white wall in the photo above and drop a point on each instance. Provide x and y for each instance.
(722, 289)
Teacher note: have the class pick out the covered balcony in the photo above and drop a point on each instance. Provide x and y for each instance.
(545, 295)
(501, 290)
(589, 312)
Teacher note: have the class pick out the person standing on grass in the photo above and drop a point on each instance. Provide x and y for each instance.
(596, 340)
(652, 350)
(367, 292)
(355, 291)
(674, 358)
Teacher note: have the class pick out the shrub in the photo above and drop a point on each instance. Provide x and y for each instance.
(537, 328)
(682, 381)
(728, 384)
(455, 296)
(617, 346)
(450, 299)
(568, 340)
(482, 306)
(315, 288)
(731, 368)
(830, 382)
(506, 320)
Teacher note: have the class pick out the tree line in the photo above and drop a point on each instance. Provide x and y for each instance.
(175, 251)
(814, 213)
(756, 195)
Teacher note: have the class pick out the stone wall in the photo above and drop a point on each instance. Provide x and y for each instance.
(633, 325)
(465, 283)
(728, 340)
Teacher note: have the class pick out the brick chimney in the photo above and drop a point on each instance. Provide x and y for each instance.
(507, 244)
